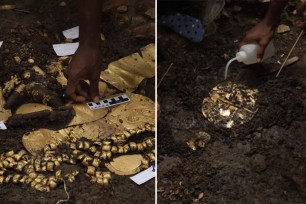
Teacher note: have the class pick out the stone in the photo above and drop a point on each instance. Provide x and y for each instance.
(282, 29)
(122, 9)
(259, 162)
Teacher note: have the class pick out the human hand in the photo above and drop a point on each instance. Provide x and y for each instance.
(300, 11)
(85, 65)
(260, 34)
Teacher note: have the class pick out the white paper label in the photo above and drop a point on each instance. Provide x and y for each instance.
(72, 33)
(144, 176)
(65, 48)
(108, 102)
(2, 126)
(1, 42)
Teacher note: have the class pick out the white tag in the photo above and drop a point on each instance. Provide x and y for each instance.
(108, 102)
(72, 33)
(65, 49)
(144, 176)
(1, 42)
(2, 126)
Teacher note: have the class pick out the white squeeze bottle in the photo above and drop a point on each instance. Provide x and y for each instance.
(248, 54)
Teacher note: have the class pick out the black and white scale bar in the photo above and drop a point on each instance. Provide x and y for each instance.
(108, 102)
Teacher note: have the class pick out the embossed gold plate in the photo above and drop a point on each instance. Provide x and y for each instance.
(127, 73)
(126, 164)
(133, 115)
(84, 115)
(31, 108)
(37, 140)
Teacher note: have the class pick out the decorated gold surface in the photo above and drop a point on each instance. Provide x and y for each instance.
(4, 113)
(126, 164)
(230, 104)
(84, 115)
(31, 108)
(136, 114)
(37, 140)
(127, 73)
(93, 131)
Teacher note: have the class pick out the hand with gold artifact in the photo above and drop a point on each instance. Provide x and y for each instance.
(86, 62)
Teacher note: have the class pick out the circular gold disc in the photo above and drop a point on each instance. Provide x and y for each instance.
(230, 104)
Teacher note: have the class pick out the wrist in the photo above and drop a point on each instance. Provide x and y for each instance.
(90, 43)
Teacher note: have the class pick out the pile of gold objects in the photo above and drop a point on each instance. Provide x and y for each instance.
(24, 168)
(230, 104)
(120, 139)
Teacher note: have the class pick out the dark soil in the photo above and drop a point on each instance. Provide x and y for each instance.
(24, 35)
(262, 161)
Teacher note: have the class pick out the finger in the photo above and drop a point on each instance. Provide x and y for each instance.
(83, 89)
(300, 9)
(76, 98)
(71, 91)
(94, 88)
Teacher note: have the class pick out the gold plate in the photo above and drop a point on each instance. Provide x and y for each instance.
(96, 130)
(84, 115)
(135, 114)
(127, 73)
(126, 164)
(32, 108)
(37, 140)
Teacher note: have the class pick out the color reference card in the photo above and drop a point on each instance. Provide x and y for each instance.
(72, 33)
(144, 176)
(65, 49)
(108, 102)
(2, 126)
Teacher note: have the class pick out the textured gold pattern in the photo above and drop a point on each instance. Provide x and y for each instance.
(126, 74)
(230, 104)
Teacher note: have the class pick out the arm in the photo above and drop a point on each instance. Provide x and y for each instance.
(263, 31)
(86, 62)
(299, 11)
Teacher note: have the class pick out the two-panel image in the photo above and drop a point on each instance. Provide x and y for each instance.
(152, 101)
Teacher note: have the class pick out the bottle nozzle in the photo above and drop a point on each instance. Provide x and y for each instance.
(241, 56)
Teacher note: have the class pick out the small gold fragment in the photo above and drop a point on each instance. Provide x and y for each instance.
(106, 175)
(10, 153)
(16, 178)
(32, 175)
(8, 178)
(17, 59)
(91, 170)
(106, 148)
(50, 166)
(7, 7)
(52, 184)
(96, 162)
(114, 149)
(31, 61)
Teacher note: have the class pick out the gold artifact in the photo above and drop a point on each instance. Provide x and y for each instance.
(230, 104)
